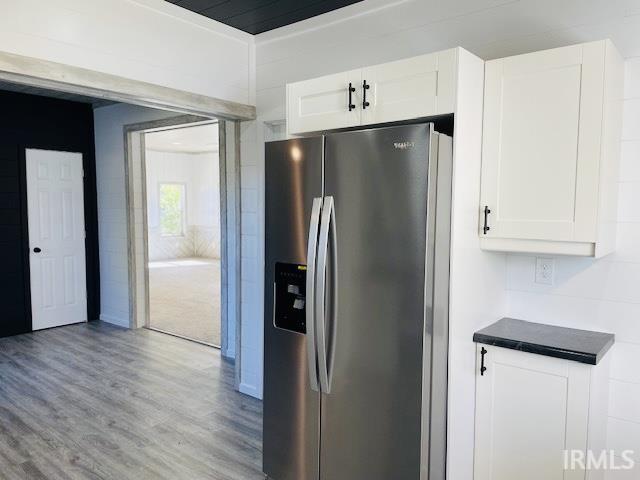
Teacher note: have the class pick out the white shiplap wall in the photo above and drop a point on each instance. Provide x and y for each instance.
(601, 294)
(148, 40)
(375, 31)
(252, 253)
(112, 211)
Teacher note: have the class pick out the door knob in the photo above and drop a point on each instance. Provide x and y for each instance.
(37, 250)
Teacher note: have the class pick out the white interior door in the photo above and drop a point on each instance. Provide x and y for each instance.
(56, 238)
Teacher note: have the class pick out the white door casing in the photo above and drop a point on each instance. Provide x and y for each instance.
(55, 202)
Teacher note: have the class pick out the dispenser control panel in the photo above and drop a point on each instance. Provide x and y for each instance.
(290, 297)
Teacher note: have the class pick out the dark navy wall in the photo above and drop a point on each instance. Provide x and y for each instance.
(28, 121)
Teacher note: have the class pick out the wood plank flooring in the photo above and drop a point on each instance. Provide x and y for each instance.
(94, 401)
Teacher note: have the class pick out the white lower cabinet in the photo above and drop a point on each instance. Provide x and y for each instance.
(533, 411)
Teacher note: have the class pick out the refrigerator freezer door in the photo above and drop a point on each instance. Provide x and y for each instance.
(371, 420)
(291, 407)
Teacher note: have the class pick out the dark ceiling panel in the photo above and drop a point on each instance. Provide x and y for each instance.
(234, 8)
(199, 5)
(257, 16)
(275, 18)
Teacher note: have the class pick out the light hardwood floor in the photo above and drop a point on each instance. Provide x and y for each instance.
(94, 401)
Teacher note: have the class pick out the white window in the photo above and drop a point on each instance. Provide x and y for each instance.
(172, 198)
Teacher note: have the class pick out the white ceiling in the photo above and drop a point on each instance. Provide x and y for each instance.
(196, 139)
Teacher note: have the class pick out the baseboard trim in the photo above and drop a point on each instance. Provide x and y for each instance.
(229, 354)
(121, 322)
(250, 390)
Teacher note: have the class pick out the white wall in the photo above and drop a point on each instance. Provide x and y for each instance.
(601, 294)
(200, 173)
(148, 40)
(112, 211)
(252, 253)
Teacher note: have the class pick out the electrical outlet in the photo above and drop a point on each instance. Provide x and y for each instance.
(545, 267)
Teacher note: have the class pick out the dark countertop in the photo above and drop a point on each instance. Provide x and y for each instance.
(582, 346)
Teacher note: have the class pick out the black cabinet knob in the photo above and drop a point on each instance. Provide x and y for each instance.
(37, 250)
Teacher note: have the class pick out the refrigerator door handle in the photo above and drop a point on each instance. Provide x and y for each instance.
(312, 347)
(325, 355)
(334, 296)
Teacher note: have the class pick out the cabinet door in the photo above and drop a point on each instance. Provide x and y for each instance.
(323, 103)
(541, 144)
(529, 410)
(416, 87)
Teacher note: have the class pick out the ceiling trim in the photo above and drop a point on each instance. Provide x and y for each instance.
(70, 79)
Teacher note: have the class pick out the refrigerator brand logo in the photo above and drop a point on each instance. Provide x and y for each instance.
(404, 145)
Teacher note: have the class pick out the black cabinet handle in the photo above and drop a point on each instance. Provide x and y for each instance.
(486, 227)
(483, 369)
(37, 250)
(365, 87)
(351, 90)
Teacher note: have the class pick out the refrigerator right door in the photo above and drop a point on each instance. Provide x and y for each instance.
(371, 419)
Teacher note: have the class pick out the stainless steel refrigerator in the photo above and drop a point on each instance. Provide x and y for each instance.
(356, 305)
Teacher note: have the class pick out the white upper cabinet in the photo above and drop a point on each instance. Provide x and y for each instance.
(411, 88)
(550, 151)
(403, 90)
(333, 101)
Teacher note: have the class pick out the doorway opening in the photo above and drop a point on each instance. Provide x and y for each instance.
(170, 224)
(182, 169)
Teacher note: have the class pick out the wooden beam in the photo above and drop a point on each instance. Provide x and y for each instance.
(70, 79)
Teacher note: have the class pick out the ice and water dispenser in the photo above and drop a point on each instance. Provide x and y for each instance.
(290, 297)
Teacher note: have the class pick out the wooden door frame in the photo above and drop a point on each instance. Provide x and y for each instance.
(137, 226)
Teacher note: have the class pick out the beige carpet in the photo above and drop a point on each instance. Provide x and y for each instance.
(184, 298)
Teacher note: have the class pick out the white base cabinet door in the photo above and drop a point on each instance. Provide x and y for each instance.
(530, 410)
(551, 140)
